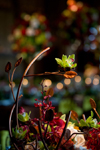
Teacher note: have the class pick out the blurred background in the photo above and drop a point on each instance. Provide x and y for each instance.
(67, 27)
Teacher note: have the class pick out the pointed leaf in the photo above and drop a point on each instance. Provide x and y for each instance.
(92, 114)
(29, 113)
(89, 119)
(64, 58)
(18, 62)
(74, 65)
(59, 61)
(82, 123)
(8, 67)
(72, 56)
(63, 117)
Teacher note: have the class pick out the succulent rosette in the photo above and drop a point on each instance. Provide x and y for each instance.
(66, 63)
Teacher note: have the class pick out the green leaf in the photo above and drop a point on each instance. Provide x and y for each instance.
(66, 62)
(89, 119)
(64, 58)
(59, 62)
(74, 65)
(72, 56)
(19, 133)
(82, 123)
(92, 114)
(49, 128)
(63, 117)
(23, 117)
(98, 125)
(29, 113)
(41, 145)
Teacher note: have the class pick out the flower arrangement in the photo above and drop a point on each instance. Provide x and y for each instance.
(52, 131)
(78, 23)
(30, 34)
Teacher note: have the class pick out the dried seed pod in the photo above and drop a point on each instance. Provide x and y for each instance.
(8, 67)
(50, 92)
(18, 62)
(74, 115)
(93, 104)
(49, 115)
(70, 74)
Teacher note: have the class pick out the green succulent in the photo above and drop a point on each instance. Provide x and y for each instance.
(90, 122)
(24, 117)
(19, 133)
(66, 62)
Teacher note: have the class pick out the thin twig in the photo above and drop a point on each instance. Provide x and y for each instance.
(96, 113)
(45, 146)
(11, 85)
(72, 135)
(13, 74)
(45, 73)
(36, 142)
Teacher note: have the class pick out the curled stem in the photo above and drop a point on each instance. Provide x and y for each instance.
(27, 69)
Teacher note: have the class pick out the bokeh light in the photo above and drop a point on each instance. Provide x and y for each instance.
(47, 82)
(67, 81)
(59, 85)
(77, 79)
(25, 82)
(88, 81)
(13, 84)
(95, 81)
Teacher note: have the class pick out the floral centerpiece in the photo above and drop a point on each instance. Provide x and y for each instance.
(52, 130)
(77, 26)
(30, 34)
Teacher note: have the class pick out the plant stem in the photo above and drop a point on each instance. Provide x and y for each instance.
(72, 135)
(46, 130)
(67, 120)
(45, 146)
(96, 113)
(27, 69)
